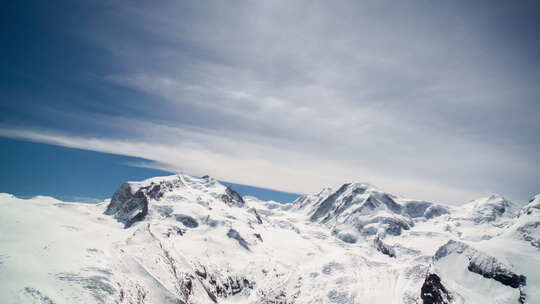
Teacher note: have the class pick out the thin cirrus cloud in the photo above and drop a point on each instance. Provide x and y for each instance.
(427, 100)
(255, 165)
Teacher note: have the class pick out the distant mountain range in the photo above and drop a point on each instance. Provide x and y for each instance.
(183, 239)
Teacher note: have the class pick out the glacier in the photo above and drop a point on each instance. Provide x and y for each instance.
(184, 239)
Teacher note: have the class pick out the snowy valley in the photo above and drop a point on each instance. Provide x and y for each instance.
(183, 239)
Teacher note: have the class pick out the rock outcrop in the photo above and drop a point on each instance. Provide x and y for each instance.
(483, 264)
(130, 205)
(433, 291)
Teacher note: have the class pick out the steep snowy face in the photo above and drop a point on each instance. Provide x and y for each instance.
(487, 209)
(357, 209)
(133, 201)
(460, 264)
(481, 263)
(355, 198)
(311, 200)
(533, 207)
(360, 209)
(527, 225)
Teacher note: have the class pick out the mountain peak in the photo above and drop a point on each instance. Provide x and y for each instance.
(533, 207)
(487, 209)
(131, 202)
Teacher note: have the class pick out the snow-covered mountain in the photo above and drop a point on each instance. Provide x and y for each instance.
(183, 239)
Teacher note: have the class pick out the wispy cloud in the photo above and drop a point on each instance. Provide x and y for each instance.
(253, 163)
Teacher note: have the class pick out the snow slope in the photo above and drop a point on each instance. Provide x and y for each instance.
(183, 239)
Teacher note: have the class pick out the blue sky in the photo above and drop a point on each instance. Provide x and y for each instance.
(426, 99)
(82, 175)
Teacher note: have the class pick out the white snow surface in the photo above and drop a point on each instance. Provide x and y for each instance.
(355, 244)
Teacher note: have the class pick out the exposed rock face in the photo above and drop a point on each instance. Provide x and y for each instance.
(187, 220)
(533, 207)
(232, 198)
(346, 237)
(433, 291)
(130, 205)
(493, 270)
(233, 234)
(483, 264)
(384, 248)
(257, 216)
(225, 287)
(33, 295)
(330, 202)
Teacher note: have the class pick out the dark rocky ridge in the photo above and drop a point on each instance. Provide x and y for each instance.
(232, 198)
(433, 291)
(499, 274)
(233, 234)
(128, 207)
(384, 248)
(222, 288)
(483, 264)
